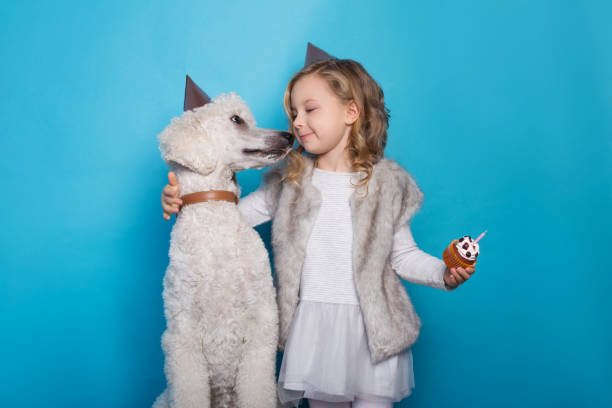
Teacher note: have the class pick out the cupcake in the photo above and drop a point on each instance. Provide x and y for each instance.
(461, 252)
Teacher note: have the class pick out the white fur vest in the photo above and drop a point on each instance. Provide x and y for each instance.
(391, 322)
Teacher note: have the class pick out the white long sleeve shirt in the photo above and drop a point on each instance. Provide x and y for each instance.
(327, 272)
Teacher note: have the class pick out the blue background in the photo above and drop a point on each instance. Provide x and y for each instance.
(500, 110)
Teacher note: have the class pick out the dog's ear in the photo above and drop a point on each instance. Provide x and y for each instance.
(186, 142)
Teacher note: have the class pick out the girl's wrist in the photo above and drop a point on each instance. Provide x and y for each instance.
(446, 277)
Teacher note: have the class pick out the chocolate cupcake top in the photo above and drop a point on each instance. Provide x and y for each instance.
(467, 248)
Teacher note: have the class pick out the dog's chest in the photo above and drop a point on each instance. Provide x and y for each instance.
(212, 227)
(211, 243)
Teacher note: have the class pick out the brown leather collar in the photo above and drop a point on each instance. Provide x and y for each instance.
(201, 196)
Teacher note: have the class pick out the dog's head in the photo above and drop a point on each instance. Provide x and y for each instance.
(222, 133)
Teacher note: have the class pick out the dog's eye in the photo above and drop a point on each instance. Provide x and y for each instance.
(237, 120)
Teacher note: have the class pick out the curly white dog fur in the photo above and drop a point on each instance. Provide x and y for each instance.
(219, 299)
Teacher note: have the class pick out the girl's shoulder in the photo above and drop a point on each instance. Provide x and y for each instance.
(389, 172)
(386, 173)
(396, 185)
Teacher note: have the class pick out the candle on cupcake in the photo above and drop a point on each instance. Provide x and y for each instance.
(462, 252)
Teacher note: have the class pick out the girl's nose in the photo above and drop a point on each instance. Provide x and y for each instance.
(297, 121)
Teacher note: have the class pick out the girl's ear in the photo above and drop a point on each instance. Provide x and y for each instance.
(352, 112)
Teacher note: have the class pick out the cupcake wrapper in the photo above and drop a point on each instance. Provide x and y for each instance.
(453, 260)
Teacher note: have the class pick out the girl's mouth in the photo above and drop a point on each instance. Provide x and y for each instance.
(305, 135)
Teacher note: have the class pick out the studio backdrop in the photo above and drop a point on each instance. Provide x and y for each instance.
(501, 110)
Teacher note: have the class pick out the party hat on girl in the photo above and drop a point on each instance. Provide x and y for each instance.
(315, 54)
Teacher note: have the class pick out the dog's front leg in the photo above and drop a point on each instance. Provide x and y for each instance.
(185, 366)
(255, 383)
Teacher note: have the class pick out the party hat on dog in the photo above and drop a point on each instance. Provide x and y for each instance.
(194, 95)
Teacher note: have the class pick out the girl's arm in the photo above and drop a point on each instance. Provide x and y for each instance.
(414, 265)
(254, 208)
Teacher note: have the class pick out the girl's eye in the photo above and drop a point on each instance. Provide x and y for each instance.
(294, 114)
(237, 120)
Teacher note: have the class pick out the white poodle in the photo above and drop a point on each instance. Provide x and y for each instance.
(219, 299)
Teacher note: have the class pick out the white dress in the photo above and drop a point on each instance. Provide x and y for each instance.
(326, 356)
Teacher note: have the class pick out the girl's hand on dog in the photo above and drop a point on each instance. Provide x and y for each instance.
(454, 277)
(170, 199)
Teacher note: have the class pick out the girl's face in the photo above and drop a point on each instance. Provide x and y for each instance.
(321, 120)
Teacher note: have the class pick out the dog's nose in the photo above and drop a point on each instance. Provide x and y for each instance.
(290, 138)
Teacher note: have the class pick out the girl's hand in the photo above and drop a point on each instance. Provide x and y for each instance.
(454, 277)
(169, 198)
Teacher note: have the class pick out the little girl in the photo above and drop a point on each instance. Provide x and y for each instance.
(341, 236)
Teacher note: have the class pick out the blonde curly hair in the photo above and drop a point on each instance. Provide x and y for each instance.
(368, 135)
